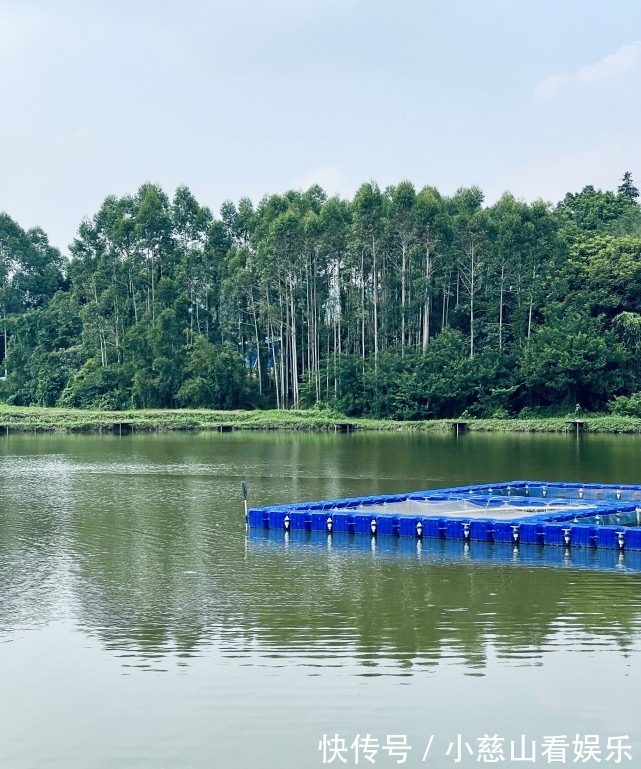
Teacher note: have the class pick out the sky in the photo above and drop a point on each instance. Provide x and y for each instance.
(254, 97)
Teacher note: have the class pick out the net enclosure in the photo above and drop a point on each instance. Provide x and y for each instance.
(533, 512)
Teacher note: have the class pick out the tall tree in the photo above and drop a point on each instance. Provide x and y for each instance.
(627, 189)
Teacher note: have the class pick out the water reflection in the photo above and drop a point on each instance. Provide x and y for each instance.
(141, 544)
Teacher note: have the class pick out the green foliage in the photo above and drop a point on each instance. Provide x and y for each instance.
(626, 405)
(627, 189)
(31, 271)
(572, 360)
(604, 274)
(43, 352)
(440, 383)
(401, 304)
(215, 377)
(593, 209)
(94, 386)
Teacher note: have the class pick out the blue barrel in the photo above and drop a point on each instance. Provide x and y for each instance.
(387, 524)
(582, 536)
(319, 520)
(342, 521)
(531, 533)
(503, 531)
(434, 528)
(300, 520)
(276, 519)
(407, 525)
(362, 523)
(607, 536)
(633, 539)
(555, 533)
(482, 531)
(455, 529)
(256, 517)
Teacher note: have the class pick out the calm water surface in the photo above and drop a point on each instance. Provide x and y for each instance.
(141, 627)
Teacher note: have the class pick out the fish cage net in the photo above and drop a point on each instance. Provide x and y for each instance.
(483, 507)
(629, 518)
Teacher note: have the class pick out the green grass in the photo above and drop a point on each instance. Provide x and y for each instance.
(33, 419)
(597, 423)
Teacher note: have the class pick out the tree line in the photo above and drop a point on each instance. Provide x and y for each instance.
(397, 303)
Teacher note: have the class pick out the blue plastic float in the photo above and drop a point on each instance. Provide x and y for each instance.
(518, 512)
(448, 551)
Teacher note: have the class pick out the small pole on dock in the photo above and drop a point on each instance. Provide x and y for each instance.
(243, 488)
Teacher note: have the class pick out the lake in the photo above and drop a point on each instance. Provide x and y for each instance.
(141, 626)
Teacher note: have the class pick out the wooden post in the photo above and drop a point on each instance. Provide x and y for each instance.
(578, 424)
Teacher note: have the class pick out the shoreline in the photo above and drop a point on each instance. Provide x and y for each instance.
(26, 419)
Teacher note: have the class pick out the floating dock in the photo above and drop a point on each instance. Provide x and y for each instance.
(450, 551)
(519, 512)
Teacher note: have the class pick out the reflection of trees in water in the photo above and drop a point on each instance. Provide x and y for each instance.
(154, 563)
(423, 612)
(191, 583)
(156, 577)
(142, 567)
(33, 569)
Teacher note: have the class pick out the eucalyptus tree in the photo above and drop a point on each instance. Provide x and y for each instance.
(191, 224)
(277, 242)
(335, 222)
(368, 213)
(522, 249)
(315, 280)
(402, 225)
(523, 269)
(470, 222)
(31, 269)
(243, 287)
(104, 276)
(432, 237)
(304, 298)
(544, 253)
(153, 228)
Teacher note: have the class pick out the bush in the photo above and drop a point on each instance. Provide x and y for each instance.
(95, 386)
(626, 405)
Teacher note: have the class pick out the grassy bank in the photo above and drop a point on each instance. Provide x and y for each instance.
(33, 419)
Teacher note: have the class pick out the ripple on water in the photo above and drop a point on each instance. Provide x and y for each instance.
(123, 558)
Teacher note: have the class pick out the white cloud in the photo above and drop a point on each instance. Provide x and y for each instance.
(551, 176)
(623, 67)
(330, 178)
(582, 128)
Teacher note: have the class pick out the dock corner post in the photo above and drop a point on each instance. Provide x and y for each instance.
(243, 488)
